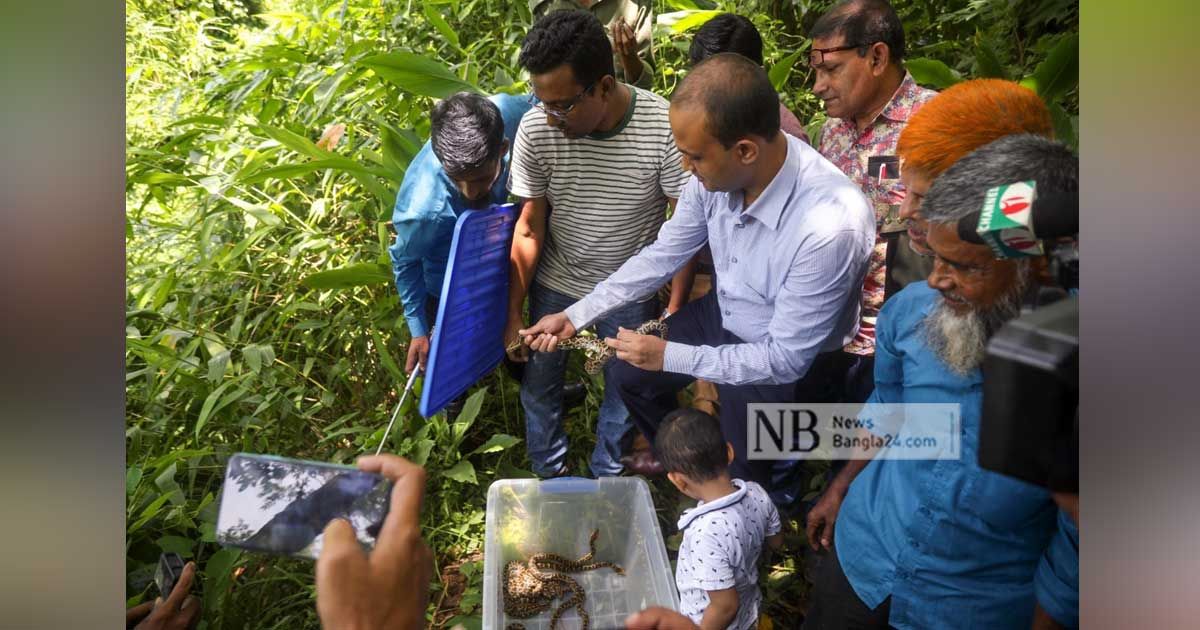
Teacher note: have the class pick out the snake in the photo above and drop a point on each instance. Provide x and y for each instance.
(531, 586)
(598, 353)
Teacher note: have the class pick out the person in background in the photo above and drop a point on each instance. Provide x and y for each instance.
(939, 543)
(596, 169)
(858, 56)
(629, 24)
(717, 571)
(729, 32)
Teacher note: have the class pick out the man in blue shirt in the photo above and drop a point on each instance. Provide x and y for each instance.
(944, 543)
(790, 238)
(463, 166)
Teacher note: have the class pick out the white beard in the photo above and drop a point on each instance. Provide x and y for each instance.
(960, 340)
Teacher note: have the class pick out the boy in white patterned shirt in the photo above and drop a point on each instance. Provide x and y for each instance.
(717, 568)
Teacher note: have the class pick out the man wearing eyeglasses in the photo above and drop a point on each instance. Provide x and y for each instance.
(596, 166)
(857, 54)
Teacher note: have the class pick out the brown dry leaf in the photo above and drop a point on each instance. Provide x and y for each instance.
(332, 136)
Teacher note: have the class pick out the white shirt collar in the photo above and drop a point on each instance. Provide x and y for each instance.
(704, 508)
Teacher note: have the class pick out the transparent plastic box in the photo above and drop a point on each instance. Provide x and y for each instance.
(527, 516)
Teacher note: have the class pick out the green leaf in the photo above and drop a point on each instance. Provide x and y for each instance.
(417, 74)
(356, 275)
(1059, 71)
(288, 171)
(386, 357)
(293, 141)
(440, 24)
(209, 406)
(178, 544)
(462, 472)
(1064, 126)
(133, 475)
(253, 356)
(496, 443)
(780, 72)
(686, 20)
(420, 454)
(474, 622)
(217, 366)
(160, 178)
(218, 574)
(987, 62)
(470, 411)
(150, 512)
(932, 73)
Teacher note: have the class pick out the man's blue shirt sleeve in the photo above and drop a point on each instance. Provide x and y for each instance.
(1056, 582)
(415, 216)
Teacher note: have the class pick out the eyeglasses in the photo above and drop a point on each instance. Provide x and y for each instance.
(816, 56)
(559, 111)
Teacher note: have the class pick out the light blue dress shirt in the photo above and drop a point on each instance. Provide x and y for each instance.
(790, 269)
(956, 546)
(426, 210)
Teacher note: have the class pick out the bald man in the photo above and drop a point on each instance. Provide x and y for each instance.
(790, 237)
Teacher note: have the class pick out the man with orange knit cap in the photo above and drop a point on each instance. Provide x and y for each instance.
(964, 118)
(943, 543)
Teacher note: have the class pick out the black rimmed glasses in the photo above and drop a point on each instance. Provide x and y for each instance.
(816, 56)
(561, 111)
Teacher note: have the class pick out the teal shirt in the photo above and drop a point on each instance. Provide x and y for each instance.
(426, 210)
(954, 545)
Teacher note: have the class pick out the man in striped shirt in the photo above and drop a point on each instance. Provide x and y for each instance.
(596, 166)
(791, 236)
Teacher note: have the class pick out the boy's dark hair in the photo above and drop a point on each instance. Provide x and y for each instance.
(689, 441)
(727, 32)
(736, 96)
(575, 38)
(862, 23)
(466, 131)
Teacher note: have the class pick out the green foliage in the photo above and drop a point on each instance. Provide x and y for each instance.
(265, 144)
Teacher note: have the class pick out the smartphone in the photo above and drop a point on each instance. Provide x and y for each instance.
(281, 506)
(170, 567)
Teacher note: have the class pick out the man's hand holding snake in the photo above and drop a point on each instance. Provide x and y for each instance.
(547, 332)
(639, 350)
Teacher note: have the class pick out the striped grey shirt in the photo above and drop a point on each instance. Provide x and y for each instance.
(608, 192)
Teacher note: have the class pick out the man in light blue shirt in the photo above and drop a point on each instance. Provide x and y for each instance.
(463, 166)
(945, 543)
(790, 237)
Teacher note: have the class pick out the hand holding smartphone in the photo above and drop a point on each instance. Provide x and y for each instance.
(282, 506)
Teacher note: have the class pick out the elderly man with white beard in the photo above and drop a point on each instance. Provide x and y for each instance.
(944, 543)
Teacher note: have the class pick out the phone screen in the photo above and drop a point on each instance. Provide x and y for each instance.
(281, 506)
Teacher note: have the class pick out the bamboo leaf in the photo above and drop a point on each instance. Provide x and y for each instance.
(209, 405)
(386, 357)
(440, 24)
(356, 275)
(419, 75)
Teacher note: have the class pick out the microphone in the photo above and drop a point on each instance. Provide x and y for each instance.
(1017, 217)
